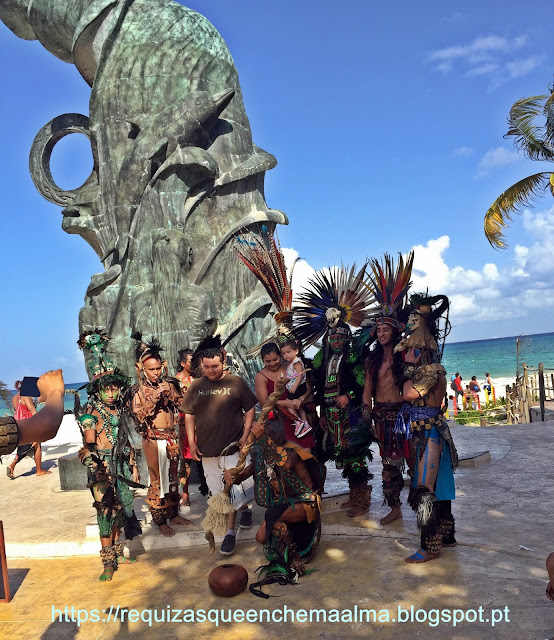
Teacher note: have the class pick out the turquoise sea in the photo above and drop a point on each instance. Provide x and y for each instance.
(496, 356)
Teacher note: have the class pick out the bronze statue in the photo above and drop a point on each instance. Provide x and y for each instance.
(176, 175)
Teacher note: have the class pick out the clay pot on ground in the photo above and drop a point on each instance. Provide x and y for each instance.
(228, 580)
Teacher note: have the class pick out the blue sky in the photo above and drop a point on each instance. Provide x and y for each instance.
(386, 120)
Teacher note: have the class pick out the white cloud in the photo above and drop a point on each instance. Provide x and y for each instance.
(522, 67)
(490, 293)
(497, 157)
(481, 293)
(302, 270)
(479, 49)
(482, 70)
(462, 152)
(486, 56)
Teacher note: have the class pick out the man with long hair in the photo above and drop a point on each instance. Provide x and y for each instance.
(382, 401)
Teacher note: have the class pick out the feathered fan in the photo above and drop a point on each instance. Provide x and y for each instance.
(260, 251)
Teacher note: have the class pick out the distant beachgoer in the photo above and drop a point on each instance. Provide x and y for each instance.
(487, 385)
(474, 385)
(25, 408)
(459, 390)
(44, 424)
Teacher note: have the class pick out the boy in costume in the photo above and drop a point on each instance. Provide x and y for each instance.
(382, 399)
(154, 401)
(108, 453)
(423, 420)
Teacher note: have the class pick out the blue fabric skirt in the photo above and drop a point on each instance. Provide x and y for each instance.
(445, 488)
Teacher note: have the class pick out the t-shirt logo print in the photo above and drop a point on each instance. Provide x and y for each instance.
(225, 391)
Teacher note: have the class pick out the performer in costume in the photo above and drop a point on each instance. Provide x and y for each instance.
(288, 484)
(154, 401)
(107, 452)
(331, 301)
(382, 399)
(423, 420)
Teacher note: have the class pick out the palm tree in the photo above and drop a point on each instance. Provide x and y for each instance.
(537, 143)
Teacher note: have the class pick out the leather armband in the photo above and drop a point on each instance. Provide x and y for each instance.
(88, 421)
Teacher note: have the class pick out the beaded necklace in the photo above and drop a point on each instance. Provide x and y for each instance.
(110, 421)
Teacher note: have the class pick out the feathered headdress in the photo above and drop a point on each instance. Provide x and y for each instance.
(423, 330)
(260, 251)
(389, 286)
(102, 370)
(333, 299)
(145, 350)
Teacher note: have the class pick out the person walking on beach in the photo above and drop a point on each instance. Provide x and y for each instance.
(458, 388)
(44, 424)
(25, 408)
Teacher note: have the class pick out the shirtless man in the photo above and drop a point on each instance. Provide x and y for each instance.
(382, 402)
(154, 401)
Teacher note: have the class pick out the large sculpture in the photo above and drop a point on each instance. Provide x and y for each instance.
(175, 178)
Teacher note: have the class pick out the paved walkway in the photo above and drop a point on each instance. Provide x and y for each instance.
(504, 527)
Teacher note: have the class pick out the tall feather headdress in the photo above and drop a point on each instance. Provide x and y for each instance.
(389, 285)
(333, 298)
(260, 251)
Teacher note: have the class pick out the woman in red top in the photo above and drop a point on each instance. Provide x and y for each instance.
(24, 408)
(263, 386)
(184, 377)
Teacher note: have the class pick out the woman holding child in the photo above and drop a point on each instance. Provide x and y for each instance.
(264, 382)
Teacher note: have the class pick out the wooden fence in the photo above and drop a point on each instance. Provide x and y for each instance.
(534, 387)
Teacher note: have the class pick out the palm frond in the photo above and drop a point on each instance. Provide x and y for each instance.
(549, 115)
(514, 200)
(529, 137)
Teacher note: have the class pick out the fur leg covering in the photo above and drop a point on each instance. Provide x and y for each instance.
(108, 555)
(393, 482)
(424, 503)
(446, 523)
(158, 516)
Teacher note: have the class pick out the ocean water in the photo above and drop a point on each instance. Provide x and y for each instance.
(498, 356)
